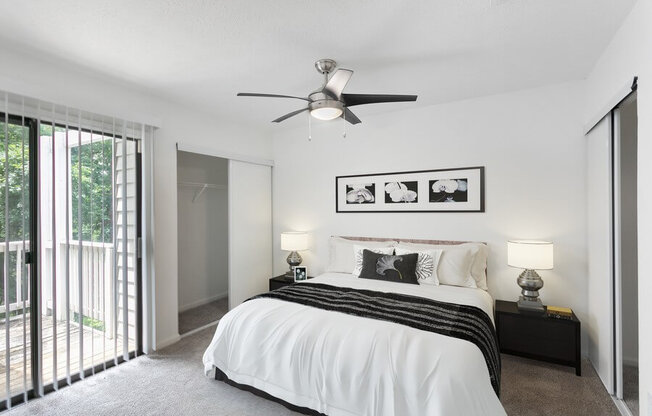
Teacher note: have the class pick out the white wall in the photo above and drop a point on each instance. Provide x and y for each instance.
(627, 55)
(531, 143)
(202, 230)
(67, 84)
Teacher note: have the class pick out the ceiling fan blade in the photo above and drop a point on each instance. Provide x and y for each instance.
(350, 117)
(359, 99)
(338, 81)
(288, 115)
(254, 94)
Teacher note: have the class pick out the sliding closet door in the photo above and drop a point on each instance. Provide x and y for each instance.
(600, 250)
(250, 230)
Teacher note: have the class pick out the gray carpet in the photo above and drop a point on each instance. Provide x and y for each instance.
(630, 387)
(202, 315)
(533, 388)
(171, 382)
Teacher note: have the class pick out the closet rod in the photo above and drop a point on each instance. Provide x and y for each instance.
(202, 185)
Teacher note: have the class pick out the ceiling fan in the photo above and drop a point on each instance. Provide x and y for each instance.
(329, 102)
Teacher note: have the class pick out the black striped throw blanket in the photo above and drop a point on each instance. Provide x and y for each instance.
(460, 321)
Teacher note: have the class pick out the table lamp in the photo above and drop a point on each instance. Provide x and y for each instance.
(293, 241)
(530, 255)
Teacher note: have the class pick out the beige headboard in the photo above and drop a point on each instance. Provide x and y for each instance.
(410, 240)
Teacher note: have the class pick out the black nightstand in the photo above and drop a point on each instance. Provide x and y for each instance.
(538, 336)
(280, 281)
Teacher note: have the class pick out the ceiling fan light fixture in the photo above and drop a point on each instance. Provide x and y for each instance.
(326, 113)
(326, 109)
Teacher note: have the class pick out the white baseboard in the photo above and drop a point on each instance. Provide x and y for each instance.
(167, 342)
(204, 301)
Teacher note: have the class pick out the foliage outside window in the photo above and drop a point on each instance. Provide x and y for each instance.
(14, 189)
(96, 190)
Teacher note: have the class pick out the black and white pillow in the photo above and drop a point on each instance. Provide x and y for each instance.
(389, 267)
(357, 255)
(427, 262)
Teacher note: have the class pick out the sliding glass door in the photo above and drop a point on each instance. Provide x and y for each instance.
(17, 139)
(70, 303)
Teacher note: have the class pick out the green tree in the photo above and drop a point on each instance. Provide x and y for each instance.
(14, 199)
(91, 190)
(96, 200)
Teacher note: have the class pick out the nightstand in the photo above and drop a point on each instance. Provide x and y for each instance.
(538, 336)
(280, 281)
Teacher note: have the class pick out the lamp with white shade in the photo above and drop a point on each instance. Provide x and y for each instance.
(530, 255)
(293, 242)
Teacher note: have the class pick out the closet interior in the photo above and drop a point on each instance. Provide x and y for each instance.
(202, 210)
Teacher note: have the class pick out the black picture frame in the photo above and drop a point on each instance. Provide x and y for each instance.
(300, 273)
(471, 199)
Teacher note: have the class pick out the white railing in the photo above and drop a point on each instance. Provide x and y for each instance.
(97, 285)
(20, 286)
(97, 280)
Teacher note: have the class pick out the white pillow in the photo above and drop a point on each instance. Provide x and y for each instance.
(342, 259)
(479, 268)
(357, 255)
(427, 263)
(479, 252)
(454, 268)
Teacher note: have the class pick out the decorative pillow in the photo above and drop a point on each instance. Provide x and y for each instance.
(357, 255)
(391, 268)
(427, 263)
(342, 259)
(479, 252)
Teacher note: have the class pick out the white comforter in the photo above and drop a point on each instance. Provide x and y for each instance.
(341, 364)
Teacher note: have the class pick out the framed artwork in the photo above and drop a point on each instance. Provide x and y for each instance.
(438, 190)
(300, 273)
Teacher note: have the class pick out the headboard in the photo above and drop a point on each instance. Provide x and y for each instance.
(410, 240)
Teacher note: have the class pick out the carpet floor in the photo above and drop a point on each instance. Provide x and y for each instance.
(171, 382)
(202, 315)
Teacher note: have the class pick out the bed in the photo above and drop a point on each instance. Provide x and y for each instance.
(323, 360)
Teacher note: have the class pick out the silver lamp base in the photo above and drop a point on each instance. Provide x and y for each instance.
(530, 283)
(294, 259)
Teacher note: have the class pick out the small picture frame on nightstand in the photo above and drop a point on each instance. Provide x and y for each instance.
(300, 273)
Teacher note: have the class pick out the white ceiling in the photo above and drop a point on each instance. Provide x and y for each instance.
(202, 52)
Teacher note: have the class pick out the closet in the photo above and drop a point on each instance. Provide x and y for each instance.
(612, 250)
(224, 229)
(202, 230)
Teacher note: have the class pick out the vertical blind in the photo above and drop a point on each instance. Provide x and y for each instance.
(76, 310)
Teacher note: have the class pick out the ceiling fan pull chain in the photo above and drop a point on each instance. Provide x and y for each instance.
(344, 125)
(309, 127)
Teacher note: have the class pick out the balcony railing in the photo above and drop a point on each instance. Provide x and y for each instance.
(97, 280)
(21, 284)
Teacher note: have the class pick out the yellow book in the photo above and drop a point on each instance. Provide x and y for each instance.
(560, 310)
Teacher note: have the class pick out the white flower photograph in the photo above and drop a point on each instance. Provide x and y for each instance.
(401, 192)
(362, 193)
(449, 190)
